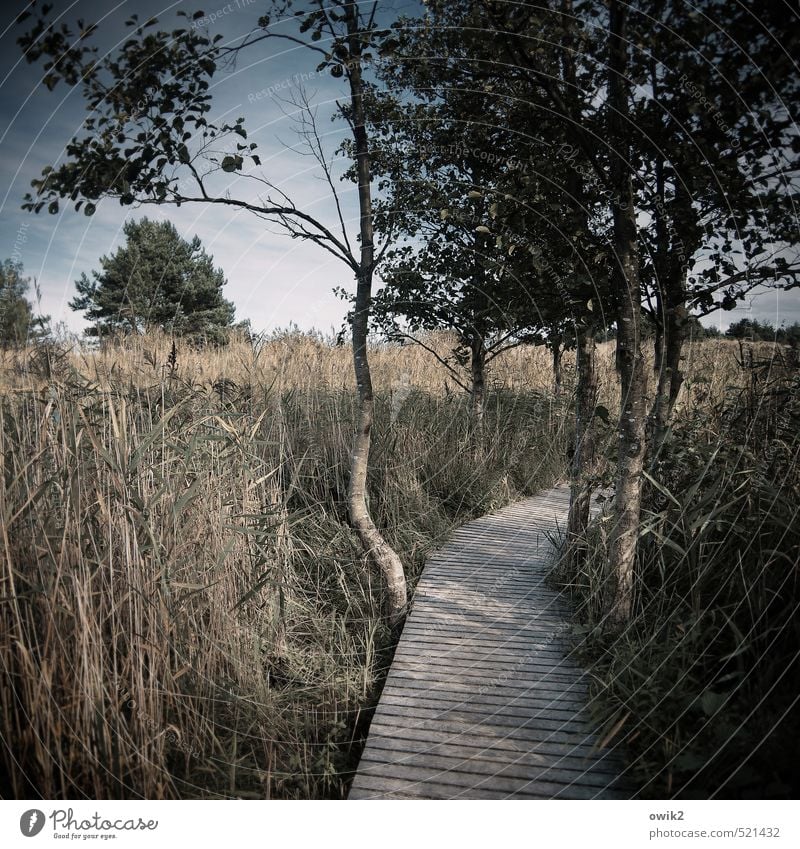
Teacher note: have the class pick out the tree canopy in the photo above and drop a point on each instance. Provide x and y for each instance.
(157, 279)
(764, 331)
(18, 323)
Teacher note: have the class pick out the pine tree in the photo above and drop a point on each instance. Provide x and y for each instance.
(18, 324)
(157, 279)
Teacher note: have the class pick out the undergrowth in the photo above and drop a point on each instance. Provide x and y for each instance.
(700, 688)
(184, 611)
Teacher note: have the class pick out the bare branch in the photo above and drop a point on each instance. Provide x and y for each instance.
(455, 375)
(287, 216)
(234, 51)
(308, 130)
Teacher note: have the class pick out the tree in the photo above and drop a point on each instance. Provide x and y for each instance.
(584, 259)
(18, 324)
(696, 330)
(419, 296)
(148, 140)
(496, 252)
(763, 331)
(157, 279)
(448, 270)
(693, 149)
(715, 161)
(585, 105)
(540, 212)
(630, 361)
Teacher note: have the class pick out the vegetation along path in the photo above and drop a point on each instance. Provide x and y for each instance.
(483, 699)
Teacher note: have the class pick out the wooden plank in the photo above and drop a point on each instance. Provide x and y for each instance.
(573, 765)
(506, 690)
(488, 643)
(500, 652)
(526, 705)
(443, 739)
(536, 645)
(484, 698)
(508, 616)
(514, 643)
(536, 604)
(503, 721)
(451, 784)
(524, 735)
(492, 670)
(524, 769)
(478, 678)
(567, 714)
(542, 640)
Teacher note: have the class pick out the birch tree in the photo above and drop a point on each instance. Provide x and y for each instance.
(148, 140)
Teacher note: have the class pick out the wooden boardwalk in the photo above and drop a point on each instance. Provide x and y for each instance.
(483, 699)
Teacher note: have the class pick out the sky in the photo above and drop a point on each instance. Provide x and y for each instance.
(273, 280)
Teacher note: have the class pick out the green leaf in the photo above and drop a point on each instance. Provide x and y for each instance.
(602, 413)
(145, 443)
(689, 762)
(89, 209)
(661, 488)
(711, 702)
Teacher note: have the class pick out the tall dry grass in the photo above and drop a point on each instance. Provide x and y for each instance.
(184, 611)
(285, 360)
(700, 689)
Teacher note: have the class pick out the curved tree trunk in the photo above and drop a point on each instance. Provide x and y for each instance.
(379, 551)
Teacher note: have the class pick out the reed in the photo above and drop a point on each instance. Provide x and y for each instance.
(700, 688)
(184, 611)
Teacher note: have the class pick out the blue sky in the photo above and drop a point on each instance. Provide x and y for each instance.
(272, 279)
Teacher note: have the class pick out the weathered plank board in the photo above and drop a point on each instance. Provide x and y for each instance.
(484, 699)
